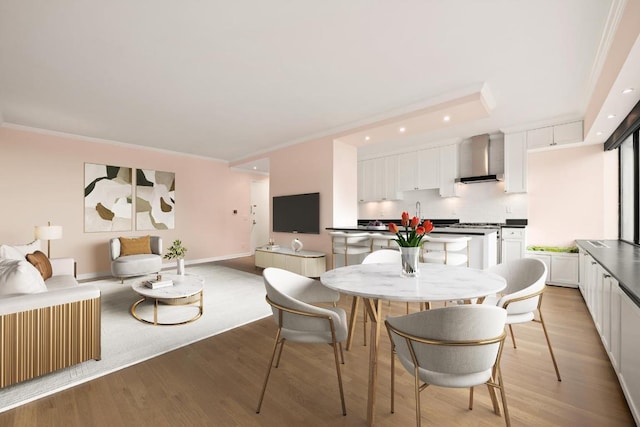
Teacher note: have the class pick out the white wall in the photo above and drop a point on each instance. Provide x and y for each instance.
(481, 202)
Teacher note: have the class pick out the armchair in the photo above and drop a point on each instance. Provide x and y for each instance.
(135, 256)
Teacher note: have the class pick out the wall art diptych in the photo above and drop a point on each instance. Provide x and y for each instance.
(155, 200)
(108, 195)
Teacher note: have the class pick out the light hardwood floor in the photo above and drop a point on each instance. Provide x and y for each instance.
(216, 382)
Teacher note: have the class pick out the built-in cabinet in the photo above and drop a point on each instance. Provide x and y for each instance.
(386, 178)
(378, 179)
(515, 162)
(616, 318)
(514, 241)
(562, 268)
(549, 136)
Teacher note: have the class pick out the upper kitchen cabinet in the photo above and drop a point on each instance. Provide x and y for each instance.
(419, 170)
(377, 179)
(550, 136)
(515, 162)
(448, 170)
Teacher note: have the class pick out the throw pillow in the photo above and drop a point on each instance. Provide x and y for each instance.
(9, 252)
(29, 248)
(135, 245)
(19, 277)
(41, 262)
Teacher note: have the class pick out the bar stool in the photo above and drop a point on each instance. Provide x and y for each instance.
(346, 244)
(446, 250)
(383, 241)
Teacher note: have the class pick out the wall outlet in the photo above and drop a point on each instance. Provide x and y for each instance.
(509, 209)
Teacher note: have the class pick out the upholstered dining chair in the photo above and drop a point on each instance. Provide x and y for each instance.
(523, 296)
(291, 297)
(382, 256)
(455, 347)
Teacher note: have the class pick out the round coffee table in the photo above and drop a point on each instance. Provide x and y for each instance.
(186, 289)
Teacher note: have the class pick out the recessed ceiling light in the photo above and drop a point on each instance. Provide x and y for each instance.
(611, 116)
(402, 130)
(628, 90)
(598, 133)
(366, 138)
(255, 168)
(446, 118)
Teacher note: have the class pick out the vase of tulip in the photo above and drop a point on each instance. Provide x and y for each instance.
(410, 242)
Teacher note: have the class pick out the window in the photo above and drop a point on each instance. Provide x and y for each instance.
(628, 190)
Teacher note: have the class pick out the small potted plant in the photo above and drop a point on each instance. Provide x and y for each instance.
(177, 251)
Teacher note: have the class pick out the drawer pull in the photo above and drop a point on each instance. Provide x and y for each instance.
(606, 276)
(593, 263)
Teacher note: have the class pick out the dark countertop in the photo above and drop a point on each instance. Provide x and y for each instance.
(621, 260)
(437, 230)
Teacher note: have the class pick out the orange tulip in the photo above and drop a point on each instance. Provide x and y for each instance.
(405, 219)
(428, 226)
(393, 227)
(415, 221)
(420, 230)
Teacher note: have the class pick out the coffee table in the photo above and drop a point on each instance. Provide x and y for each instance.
(186, 289)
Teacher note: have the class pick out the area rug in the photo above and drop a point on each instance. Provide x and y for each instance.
(232, 298)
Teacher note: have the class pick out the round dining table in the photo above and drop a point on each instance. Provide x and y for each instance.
(377, 282)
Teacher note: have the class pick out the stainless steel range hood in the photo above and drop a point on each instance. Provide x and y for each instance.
(480, 162)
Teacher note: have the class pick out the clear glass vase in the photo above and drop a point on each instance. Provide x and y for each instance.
(410, 261)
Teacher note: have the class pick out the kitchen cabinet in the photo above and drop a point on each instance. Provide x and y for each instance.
(563, 269)
(629, 372)
(515, 162)
(420, 170)
(550, 136)
(449, 170)
(513, 243)
(377, 179)
(429, 169)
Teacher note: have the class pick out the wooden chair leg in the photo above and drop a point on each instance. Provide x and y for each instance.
(352, 320)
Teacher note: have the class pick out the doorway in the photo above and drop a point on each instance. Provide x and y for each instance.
(259, 212)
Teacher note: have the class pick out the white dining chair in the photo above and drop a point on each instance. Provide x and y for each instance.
(522, 297)
(455, 347)
(446, 250)
(348, 243)
(291, 297)
(382, 256)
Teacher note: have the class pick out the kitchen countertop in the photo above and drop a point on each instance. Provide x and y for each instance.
(621, 260)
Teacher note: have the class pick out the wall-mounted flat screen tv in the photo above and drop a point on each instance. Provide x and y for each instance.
(297, 213)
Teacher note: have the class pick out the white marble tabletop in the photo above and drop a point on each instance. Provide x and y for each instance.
(436, 282)
(183, 286)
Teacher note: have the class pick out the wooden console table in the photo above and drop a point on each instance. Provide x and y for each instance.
(306, 263)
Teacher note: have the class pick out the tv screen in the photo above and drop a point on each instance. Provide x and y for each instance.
(298, 213)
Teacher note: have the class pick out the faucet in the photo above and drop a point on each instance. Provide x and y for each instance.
(418, 211)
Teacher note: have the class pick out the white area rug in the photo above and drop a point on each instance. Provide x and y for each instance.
(232, 298)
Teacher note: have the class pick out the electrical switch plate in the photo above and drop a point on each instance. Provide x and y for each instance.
(508, 209)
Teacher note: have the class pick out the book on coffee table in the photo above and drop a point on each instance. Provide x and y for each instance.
(156, 284)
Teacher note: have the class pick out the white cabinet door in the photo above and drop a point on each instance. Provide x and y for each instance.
(429, 169)
(513, 243)
(389, 185)
(614, 346)
(583, 272)
(515, 163)
(408, 171)
(448, 170)
(605, 310)
(629, 350)
(542, 137)
(567, 133)
(564, 269)
(366, 180)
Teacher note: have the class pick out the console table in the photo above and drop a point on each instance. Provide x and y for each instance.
(305, 263)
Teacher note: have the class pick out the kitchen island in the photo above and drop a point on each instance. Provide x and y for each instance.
(483, 247)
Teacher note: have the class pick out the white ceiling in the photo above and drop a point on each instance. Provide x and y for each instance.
(232, 79)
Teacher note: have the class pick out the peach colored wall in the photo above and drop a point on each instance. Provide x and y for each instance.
(42, 179)
(304, 168)
(572, 195)
(345, 184)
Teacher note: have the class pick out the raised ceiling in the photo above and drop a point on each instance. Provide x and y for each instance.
(229, 80)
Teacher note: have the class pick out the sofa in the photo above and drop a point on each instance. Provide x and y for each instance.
(135, 256)
(48, 321)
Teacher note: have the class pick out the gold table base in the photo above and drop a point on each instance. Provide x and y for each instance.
(169, 301)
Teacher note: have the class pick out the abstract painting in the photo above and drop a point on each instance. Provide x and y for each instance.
(155, 200)
(107, 198)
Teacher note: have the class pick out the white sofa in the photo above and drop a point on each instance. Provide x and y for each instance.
(45, 325)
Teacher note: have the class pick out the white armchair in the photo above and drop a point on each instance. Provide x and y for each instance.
(126, 264)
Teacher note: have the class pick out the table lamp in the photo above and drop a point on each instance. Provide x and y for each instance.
(48, 232)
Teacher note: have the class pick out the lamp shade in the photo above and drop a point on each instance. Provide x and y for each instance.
(48, 232)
